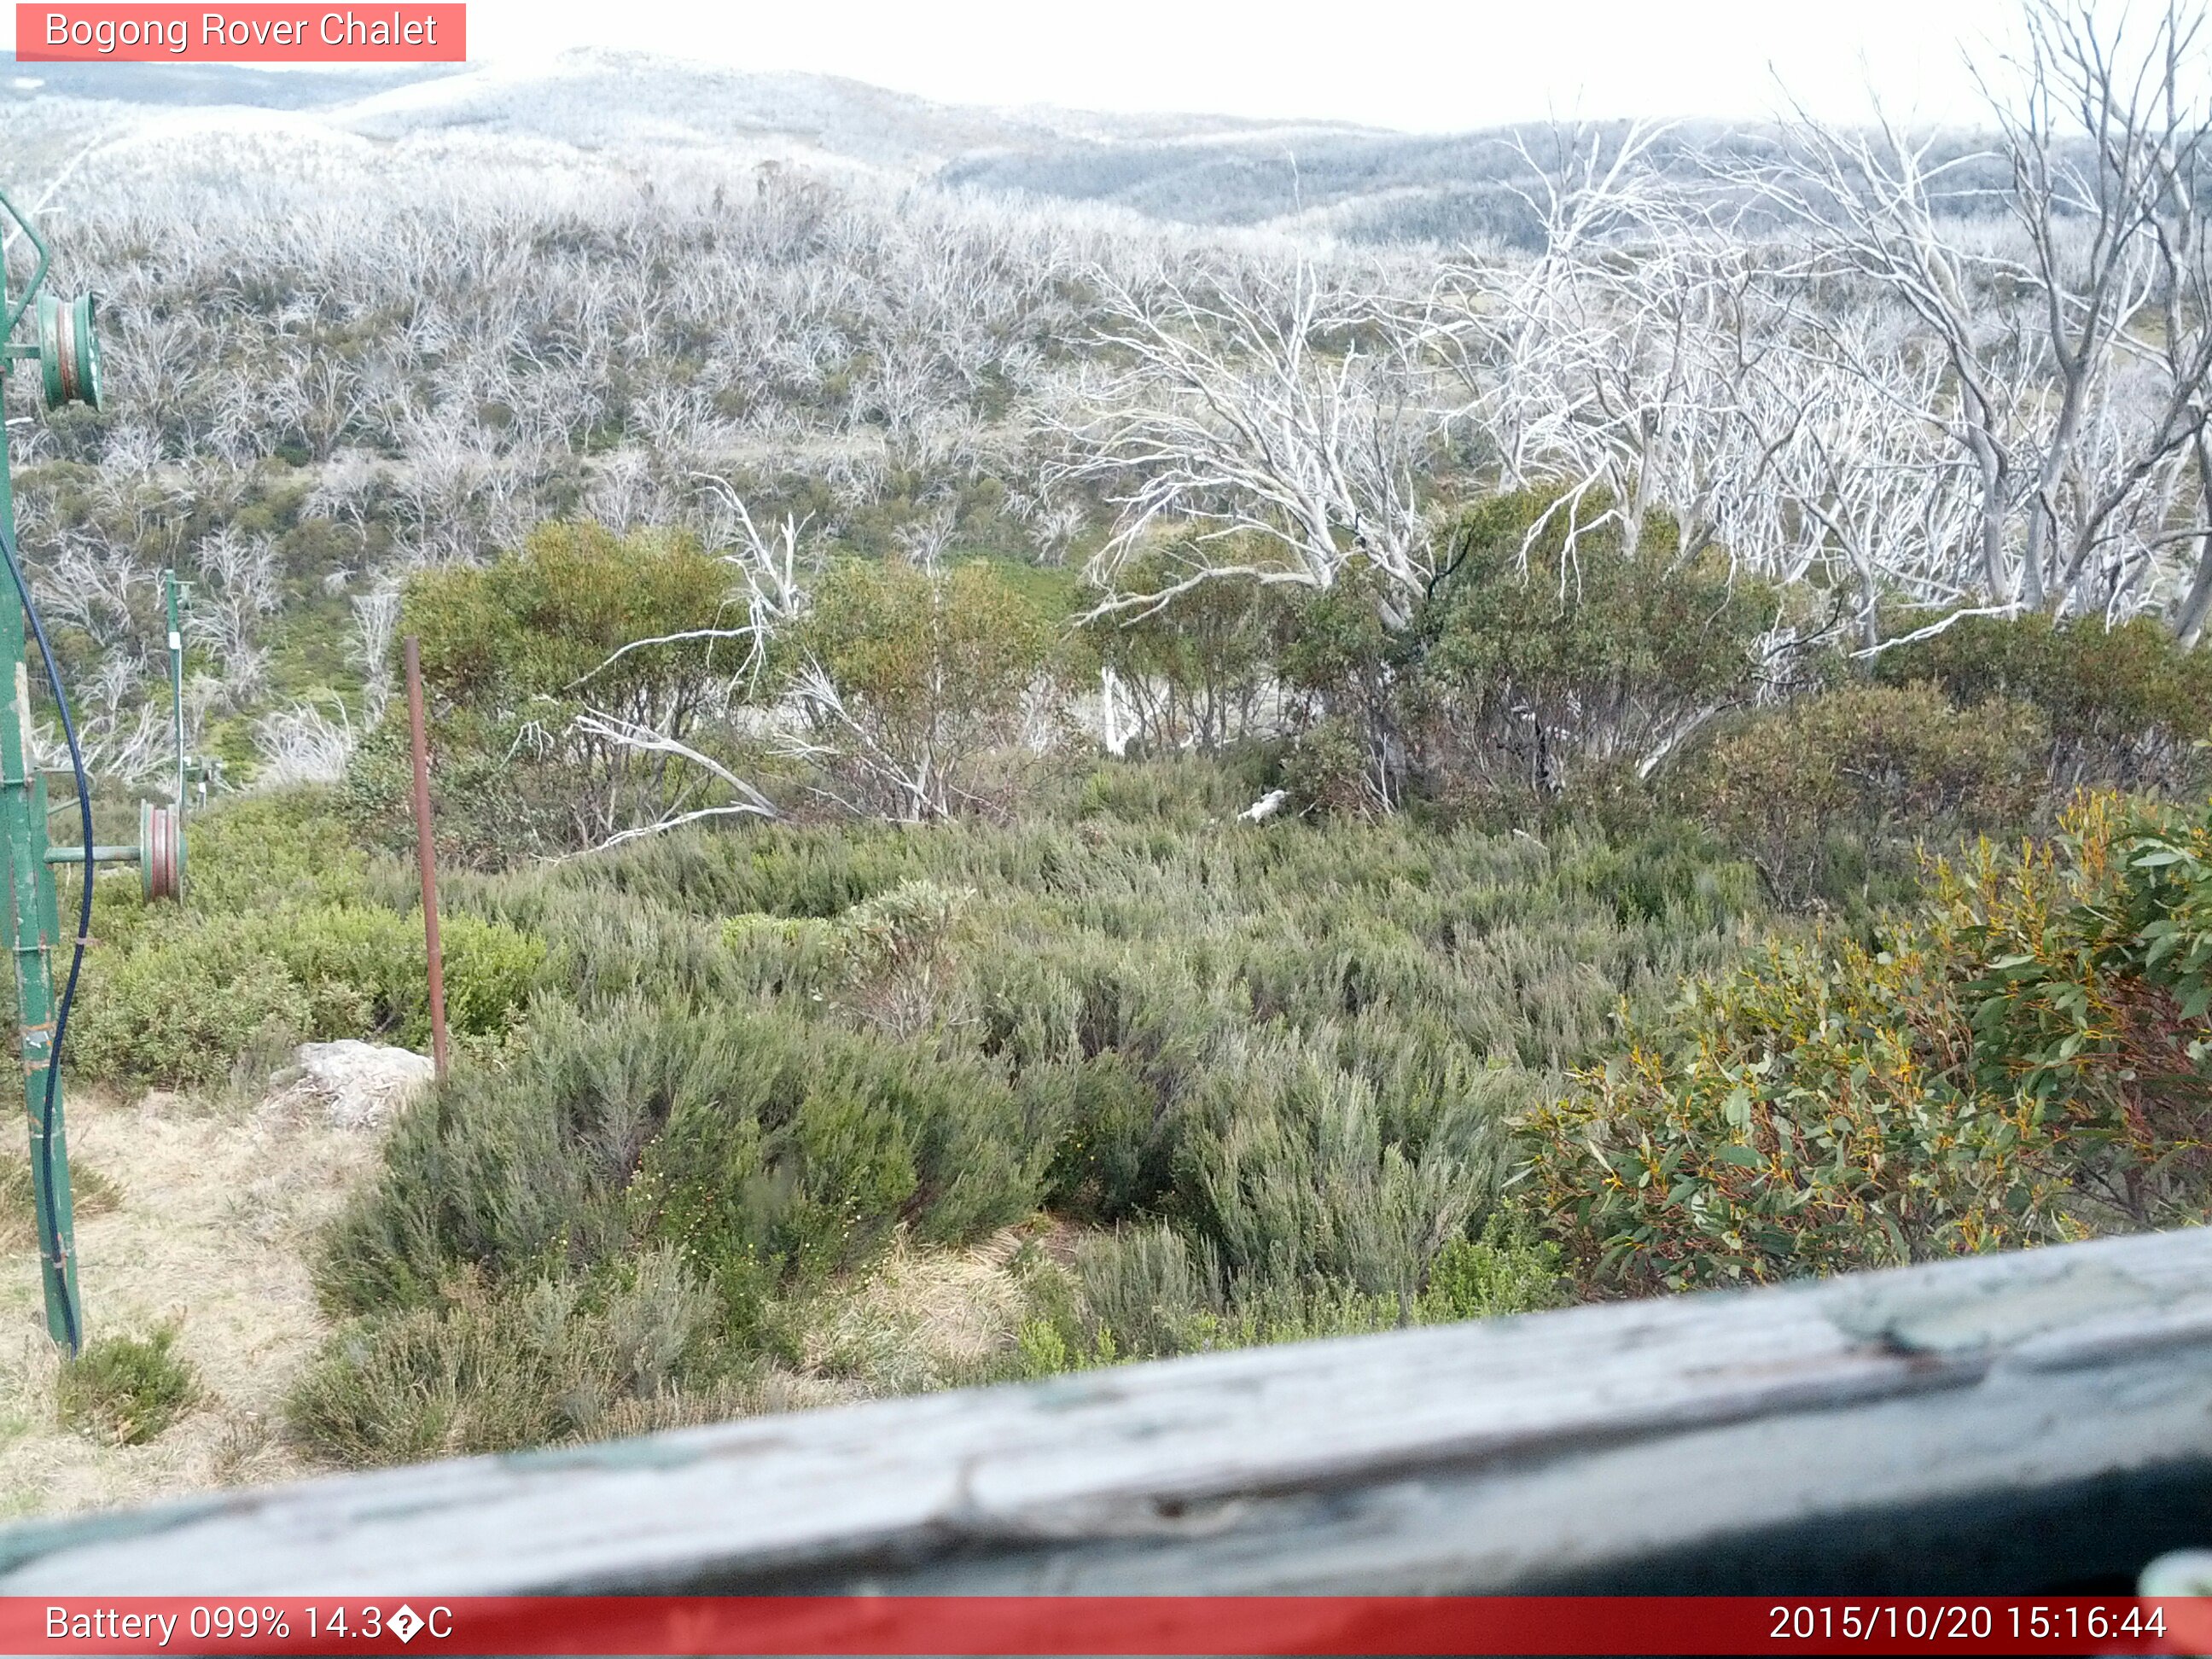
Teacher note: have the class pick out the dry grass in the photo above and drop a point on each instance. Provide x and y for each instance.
(925, 1319)
(219, 1207)
(217, 1212)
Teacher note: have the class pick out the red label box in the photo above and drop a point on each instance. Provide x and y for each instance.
(261, 34)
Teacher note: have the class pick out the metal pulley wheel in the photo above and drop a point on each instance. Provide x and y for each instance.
(69, 354)
(161, 852)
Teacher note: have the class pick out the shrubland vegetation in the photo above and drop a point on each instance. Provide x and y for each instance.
(1554, 1024)
(1220, 794)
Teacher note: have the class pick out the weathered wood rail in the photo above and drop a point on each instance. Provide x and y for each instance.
(2039, 1421)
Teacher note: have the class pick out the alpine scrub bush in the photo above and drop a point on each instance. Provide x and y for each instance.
(1529, 665)
(2125, 706)
(288, 933)
(920, 688)
(1261, 1074)
(191, 991)
(127, 1391)
(2026, 1059)
(549, 1360)
(1844, 782)
(513, 651)
(2095, 1001)
(766, 1149)
(179, 1005)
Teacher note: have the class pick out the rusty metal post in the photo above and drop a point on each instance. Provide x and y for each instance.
(426, 853)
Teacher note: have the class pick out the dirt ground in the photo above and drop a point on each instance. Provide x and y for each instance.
(219, 1206)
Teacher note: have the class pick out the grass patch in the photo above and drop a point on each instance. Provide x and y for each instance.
(91, 1194)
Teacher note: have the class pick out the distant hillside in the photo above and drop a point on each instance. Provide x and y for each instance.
(1195, 168)
(205, 123)
(204, 84)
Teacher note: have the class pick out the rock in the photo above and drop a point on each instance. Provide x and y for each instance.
(356, 1085)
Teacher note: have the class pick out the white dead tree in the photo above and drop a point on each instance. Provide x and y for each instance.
(304, 742)
(1588, 368)
(1292, 424)
(1854, 491)
(2098, 268)
(241, 585)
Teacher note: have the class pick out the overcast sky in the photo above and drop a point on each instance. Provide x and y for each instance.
(1423, 64)
(1427, 65)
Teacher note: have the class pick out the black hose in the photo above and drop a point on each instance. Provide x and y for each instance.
(52, 1217)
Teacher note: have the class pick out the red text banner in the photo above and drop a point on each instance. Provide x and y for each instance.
(1133, 1625)
(241, 34)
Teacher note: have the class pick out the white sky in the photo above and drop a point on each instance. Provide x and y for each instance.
(1420, 64)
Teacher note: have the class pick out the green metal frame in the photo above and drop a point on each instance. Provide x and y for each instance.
(26, 858)
(33, 924)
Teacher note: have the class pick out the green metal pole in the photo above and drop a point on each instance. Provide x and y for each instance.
(34, 930)
(176, 680)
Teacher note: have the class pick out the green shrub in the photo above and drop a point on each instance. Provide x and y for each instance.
(1303, 1177)
(540, 620)
(886, 958)
(1114, 1158)
(1846, 781)
(127, 1391)
(1184, 793)
(2029, 1058)
(285, 847)
(934, 674)
(190, 996)
(1328, 768)
(193, 991)
(512, 652)
(1148, 1292)
(1278, 1062)
(764, 1148)
(1501, 1271)
(2125, 705)
(365, 971)
(1196, 670)
(528, 1365)
(1532, 658)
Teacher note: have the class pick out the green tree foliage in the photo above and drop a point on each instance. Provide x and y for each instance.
(1536, 660)
(548, 620)
(512, 653)
(1196, 670)
(916, 684)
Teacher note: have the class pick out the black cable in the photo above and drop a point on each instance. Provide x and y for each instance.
(53, 1220)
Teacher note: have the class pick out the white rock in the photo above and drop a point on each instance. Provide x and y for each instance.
(356, 1085)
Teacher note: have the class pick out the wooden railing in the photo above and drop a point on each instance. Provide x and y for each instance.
(2031, 1422)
